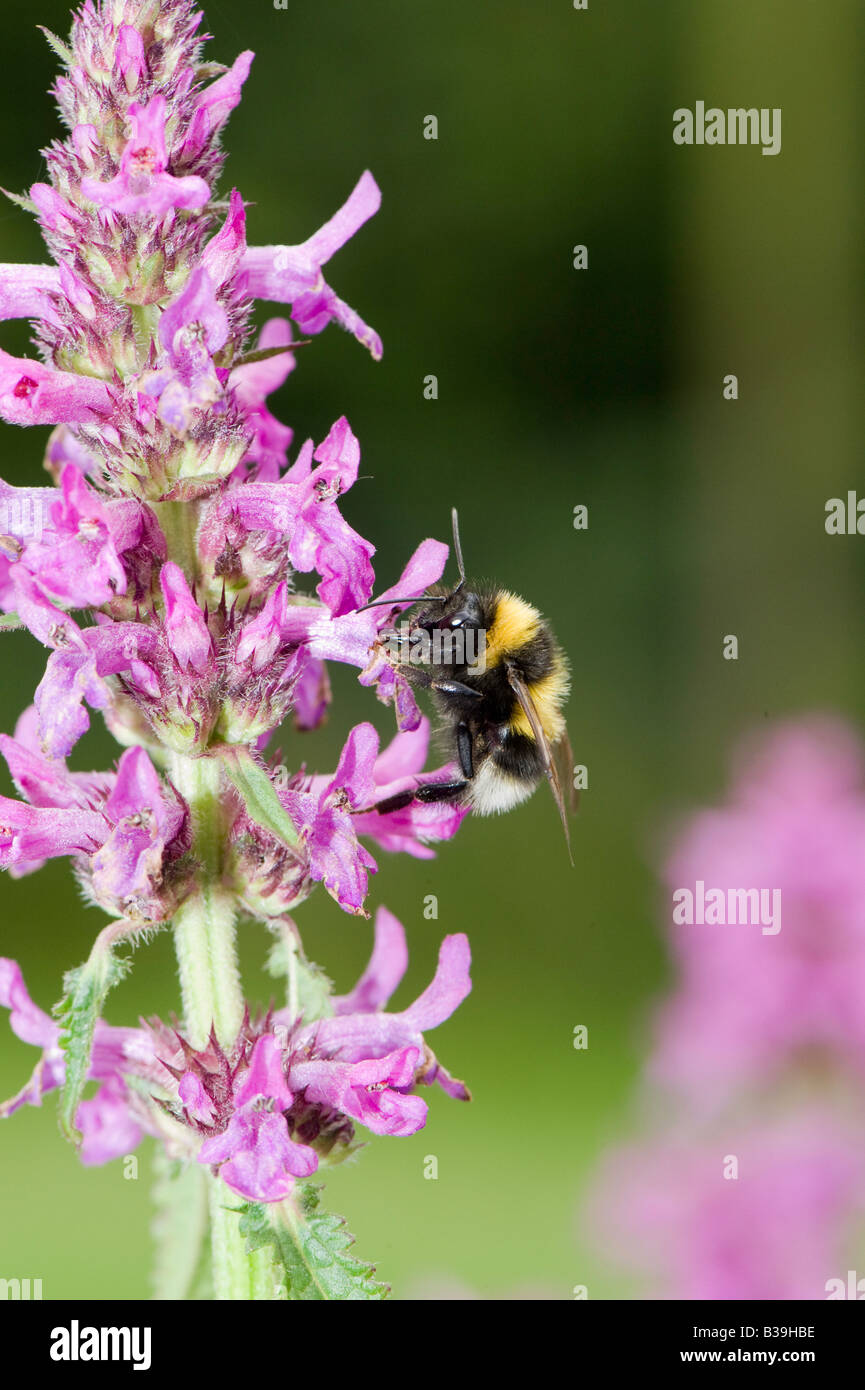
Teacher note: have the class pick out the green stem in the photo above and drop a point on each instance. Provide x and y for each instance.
(179, 523)
(204, 925)
(290, 939)
(268, 1282)
(204, 935)
(238, 1275)
(232, 1274)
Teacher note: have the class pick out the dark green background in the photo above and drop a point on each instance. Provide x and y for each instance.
(557, 387)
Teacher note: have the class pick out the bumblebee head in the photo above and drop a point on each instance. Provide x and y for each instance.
(453, 610)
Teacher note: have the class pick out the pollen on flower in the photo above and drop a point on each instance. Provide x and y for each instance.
(143, 160)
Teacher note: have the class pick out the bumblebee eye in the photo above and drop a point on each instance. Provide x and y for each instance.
(462, 619)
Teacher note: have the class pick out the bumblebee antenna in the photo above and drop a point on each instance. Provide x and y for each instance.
(428, 598)
(392, 602)
(458, 550)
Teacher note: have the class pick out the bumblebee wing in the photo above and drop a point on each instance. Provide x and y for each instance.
(563, 756)
(527, 705)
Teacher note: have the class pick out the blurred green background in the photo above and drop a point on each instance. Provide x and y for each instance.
(556, 387)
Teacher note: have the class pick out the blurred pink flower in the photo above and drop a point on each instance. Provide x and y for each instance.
(750, 1002)
(774, 1231)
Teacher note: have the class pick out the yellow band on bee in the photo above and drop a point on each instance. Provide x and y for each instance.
(548, 695)
(515, 623)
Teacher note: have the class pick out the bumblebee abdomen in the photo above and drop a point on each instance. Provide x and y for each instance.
(507, 777)
(493, 790)
(549, 695)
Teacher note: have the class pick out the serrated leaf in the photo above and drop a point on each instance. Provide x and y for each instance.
(257, 793)
(9, 622)
(181, 1230)
(60, 48)
(20, 200)
(85, 989)
(312, 1248)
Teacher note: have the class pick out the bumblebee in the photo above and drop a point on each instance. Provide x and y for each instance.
(499, 681)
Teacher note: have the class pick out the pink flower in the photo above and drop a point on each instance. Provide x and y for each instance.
(302, 509)
(358, 1067)
(26, 290)
(214, 105)
(195, 326)
(186, 631)
(361, 1031)
(257, 1158)
(67, 543)
(255, 1153)
(33, 394)
(71, 677)
(266, 1110)
(323, 816)
(143, 185)
(107, 1121)
(292, 274)
(165, 574)
(750, 1002)
(252, 384)
(130, 57)
(192, 330)
(399, 768)
(120, 827)
(355, 637)
(331, 812)
(675, 1210)
(325, 1077)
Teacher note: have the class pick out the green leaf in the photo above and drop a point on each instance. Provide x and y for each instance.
(63, 53)
(181, 1230)
(9, 621)
(312, 1248)
(20, 200)
(257, 793)
(262, 354)
(85, 989)
(313, 987)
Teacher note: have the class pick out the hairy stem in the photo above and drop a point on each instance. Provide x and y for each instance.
(232, 1275)
(237, 1274)
(179, 522)
(204, 935)
(204, 926)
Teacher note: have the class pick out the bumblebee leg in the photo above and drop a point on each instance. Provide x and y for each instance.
(430, 791)
(416, 675)
(449, 687)
(440, 791)
(394, 803)
(464, 750)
